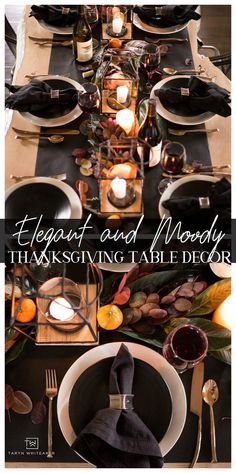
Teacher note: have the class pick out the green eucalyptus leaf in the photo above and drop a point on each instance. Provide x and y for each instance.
(108, 287)
(156, 342)
(222, 355)
(16, 350)
(159, 279)
(211, 298)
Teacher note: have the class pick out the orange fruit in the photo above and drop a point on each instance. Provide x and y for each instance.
(109, 317)
(27, 310)
(115, 43)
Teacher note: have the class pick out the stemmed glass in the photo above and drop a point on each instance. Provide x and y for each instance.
(92, 16)
(173, 158)
(149, 61)
(89, 101)
(185, 347)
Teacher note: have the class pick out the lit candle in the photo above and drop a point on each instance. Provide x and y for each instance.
(117, 24)
(222, 270)
(223, 315)
(61, 309)
(125, 118)
(119, 187)
(122, 93)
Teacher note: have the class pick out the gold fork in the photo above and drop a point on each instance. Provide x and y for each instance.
(51, 392)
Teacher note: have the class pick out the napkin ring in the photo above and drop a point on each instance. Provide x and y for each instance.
(184, 91)
(204, 202)
(158, 11)
(54, 94)
(121, 401)
(65, 11)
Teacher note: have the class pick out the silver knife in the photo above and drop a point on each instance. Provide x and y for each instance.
(196, 405)
(50, 131)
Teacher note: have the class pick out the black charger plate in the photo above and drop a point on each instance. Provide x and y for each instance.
(36, 199)
(182, 109)
(56, 110)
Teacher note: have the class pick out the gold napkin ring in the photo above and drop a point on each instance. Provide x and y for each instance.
(204, 202)
(121, 401)
(54, 94)
(65, 11)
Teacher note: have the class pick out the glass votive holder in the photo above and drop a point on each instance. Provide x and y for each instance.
(60, 301)
(116, 21)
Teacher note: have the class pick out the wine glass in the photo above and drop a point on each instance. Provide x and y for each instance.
(89, 101)
(185, 347)
(149, 61)
(92, 16)
(173, 158)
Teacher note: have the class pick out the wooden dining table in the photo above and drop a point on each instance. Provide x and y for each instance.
(37, 158)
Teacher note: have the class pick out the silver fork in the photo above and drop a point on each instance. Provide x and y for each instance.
(192, 130)
(51, 392)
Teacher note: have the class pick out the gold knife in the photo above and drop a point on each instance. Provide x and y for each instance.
(196, 405)
(50, 131)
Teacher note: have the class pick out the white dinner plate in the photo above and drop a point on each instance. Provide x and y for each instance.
(155, 30)
(74, 200)
(117, 267)
(147, 355)
(176, 184)
(58, 121)
(172, 117)
(64, 30)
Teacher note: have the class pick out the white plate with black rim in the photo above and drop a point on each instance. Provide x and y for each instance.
(178, 113)
(188, 186)
(70, 112)
(42, 196)
(155, 29)
(159, 395)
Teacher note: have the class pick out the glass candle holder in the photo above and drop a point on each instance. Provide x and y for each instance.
(116, 21)
(185, 347)
(60, 301)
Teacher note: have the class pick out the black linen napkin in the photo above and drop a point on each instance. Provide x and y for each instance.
(118, 438)
(208, 97)
(188, 208)
(55, 15)
(167, 14)
(36, 97)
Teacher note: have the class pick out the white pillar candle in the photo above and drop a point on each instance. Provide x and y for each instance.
(122, 93)
(222, 270)
(119, 187)
(117, 24)
(125, 118)
(223, 315)
(61, 309)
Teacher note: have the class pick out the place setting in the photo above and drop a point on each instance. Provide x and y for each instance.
(118, 260)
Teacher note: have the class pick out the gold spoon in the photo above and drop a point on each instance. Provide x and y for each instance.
(189, 169)
(53, 138)
(210, 394)
(171, 71)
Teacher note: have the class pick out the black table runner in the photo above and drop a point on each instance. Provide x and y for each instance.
(54, 159)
